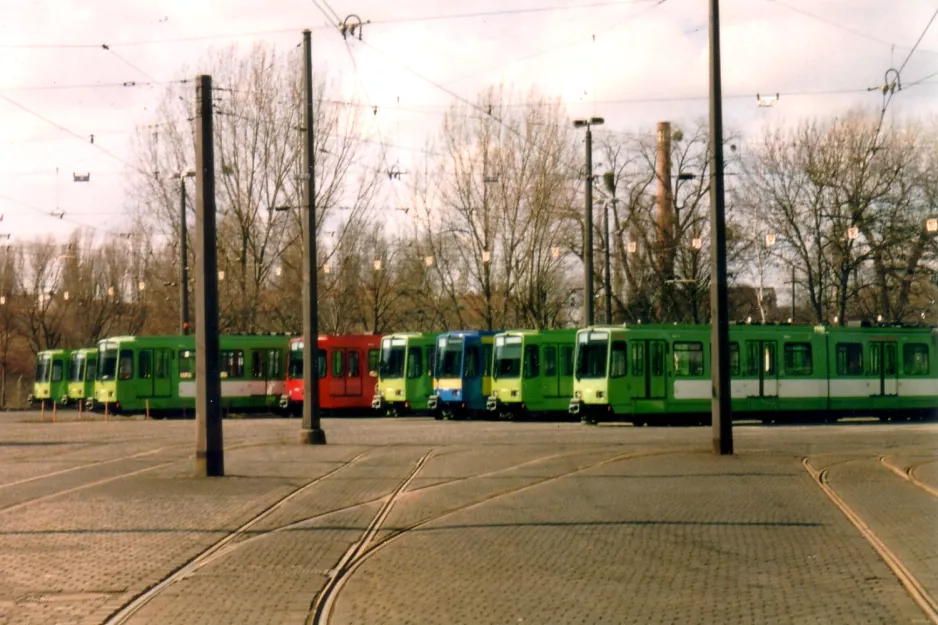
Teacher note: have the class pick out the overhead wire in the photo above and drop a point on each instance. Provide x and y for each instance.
(572, 42)
(843, 27)
(501, 12)
(361, 83)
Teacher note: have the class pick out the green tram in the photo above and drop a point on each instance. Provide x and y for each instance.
(405, 373)
(532, 373)
(81, 374)
(51, 383)
(158, 373)
(654, 374)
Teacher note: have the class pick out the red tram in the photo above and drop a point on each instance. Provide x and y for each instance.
(348, 369)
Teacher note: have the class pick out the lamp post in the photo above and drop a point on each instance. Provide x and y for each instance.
(609, 180)
(588, 234)
(183, 252)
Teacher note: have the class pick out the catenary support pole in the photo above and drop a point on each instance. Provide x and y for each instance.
(312, 432)
(209, 453)
(183, 260)
(588, 242)
(719, 322)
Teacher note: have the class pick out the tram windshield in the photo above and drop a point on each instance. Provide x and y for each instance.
(449, 354)
(107, 361)
(391, 366)
(507, 357)
(43, 368)
(591, 351)
(76, 370)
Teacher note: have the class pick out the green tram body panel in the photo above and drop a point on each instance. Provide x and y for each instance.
(81, 374)
(775, 371)
(532, 372)
(51, 383)
(405, 372)
(158, 372)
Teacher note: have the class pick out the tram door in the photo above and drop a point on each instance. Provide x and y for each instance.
(884, 369)
(648, 370)
(762, 370)
(153, 373)
(345, 379)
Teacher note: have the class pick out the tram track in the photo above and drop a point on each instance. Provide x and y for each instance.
(321, 609)
(321, 515)
(912, 585)
(134, 605)
(87, 465)
(106, 480)
(908, 474)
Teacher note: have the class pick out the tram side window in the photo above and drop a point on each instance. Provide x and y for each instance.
(734, 358)
(186, 364)
(688, 359)
(57, 370)
(320, 363)
(431, 360)
(566, 361)
(91, 369)
(374, 357)
(414, 362)
(125, 367)
(849, 359)
(472, 361)
(143, 365)
(337, 364)
(274, 364)
(487, 358)
(353, 365)
(258, 368)
(550, 361)
(162, 363)
(798, 359)
(532, 365)
(232, 364)
(618, 361)
(638, 359)
(915, 359)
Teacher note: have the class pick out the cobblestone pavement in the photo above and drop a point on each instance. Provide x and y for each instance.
(503, 523)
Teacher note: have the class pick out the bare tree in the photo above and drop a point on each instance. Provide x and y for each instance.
(842, 195)
(260, 173)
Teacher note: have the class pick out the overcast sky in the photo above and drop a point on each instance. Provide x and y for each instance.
(633, 62)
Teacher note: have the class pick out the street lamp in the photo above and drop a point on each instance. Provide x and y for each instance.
(609, 180)
(588, 242)
(183, 252)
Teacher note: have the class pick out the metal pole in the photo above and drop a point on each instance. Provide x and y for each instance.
(209, 454)
(312, 432)
(607, 272)
(183, 259)
(721, 407)
(588, 243)
(793, 293)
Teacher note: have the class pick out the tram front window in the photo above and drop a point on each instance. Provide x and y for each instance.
(507, 357)
(43, 368)
(76, 370)
(591, 355)
(449, 357)
(107, 363)
(391, 366)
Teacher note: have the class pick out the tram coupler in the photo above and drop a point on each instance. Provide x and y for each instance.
(377, 403)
